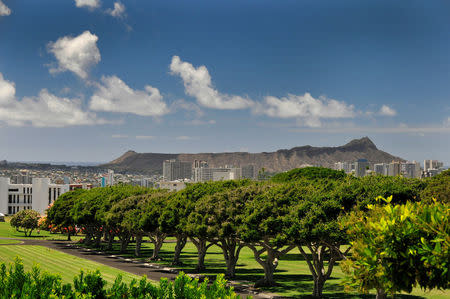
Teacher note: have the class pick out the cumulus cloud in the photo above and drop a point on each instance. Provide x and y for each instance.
(387, 111)
(76, 54)
(306, 109)
(4, 10)
(145, 137)
(118, 11)
(114, 95)
(185, 138)
(44, 110)
(198, 84)
(87, 3)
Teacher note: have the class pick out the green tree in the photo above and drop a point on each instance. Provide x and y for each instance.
(395, 247)
(264, 222)
(27, 220)
(59, 214)
(310, 173)
(438, 187)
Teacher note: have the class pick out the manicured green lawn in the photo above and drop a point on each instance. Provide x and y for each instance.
(7, 231)
(292, 273)
(55, 261)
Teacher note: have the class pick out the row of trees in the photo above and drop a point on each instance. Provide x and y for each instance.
(300, 209)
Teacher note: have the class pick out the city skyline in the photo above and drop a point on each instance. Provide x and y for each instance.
(89, 80)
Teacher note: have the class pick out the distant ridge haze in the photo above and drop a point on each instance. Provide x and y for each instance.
(278, 161)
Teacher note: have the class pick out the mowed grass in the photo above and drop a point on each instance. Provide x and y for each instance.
(54, 261)
(292, 273)
(7, 231)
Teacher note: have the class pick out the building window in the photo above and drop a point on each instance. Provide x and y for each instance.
(49, 195)
(9, 210)
(9, 198)
(13, 190)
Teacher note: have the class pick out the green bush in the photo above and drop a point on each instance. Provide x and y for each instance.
(15, 282)
(27, 220)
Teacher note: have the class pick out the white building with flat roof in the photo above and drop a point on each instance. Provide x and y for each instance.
(35, 196)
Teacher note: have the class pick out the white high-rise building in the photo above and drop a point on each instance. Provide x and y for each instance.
(432, 164)
(381, 168)
(345, 166)
(35, 196)
(110, 177)
(411, 169)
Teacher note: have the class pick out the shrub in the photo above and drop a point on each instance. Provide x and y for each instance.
(396, 247)
(15, 282)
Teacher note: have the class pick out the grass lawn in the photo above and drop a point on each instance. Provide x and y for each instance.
(54, 261)
(292, 273)
(7, 231)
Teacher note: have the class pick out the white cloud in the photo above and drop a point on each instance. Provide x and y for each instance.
(447, 122)
(306, 109)
(7, 91)
(114, 95)
(387, 111)
(145, 137)
(4, 10)
(197, 83)
(87, 3)
(401, 129)
(44, 110)
(76, 54)
(118, 11)
(199, 122)
(119, 136)
(185, 138)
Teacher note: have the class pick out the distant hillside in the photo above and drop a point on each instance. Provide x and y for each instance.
(281, 160)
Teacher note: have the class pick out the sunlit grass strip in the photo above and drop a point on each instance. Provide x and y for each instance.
(58, 262)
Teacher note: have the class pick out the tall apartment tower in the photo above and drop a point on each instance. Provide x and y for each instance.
(432, 164)
(248, 172)
(176, 170)
(361, 167)
(394, 168)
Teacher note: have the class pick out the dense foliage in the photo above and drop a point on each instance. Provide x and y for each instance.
(15, 282)
(300, 209)
(25, 220)
(438, 187)
(310, 173)
(396, 247)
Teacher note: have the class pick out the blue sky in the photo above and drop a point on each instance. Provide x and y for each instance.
(86, 80)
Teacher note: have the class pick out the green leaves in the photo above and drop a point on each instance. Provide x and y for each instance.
(396, 247)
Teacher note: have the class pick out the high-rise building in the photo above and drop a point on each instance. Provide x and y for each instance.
(394, 168)
(176, 170)
(432, 164)
(361, 166)
(411, 169)
(345, 166)
(110, 177)
(381, 168)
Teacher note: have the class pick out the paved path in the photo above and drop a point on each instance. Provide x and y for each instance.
(153, 271)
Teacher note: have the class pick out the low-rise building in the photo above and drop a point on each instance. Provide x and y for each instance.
(35, 196)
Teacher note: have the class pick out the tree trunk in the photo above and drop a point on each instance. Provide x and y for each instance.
(68, 236)
(98, 239)
(137, 249)
(110, 241)
(88, 239)
(201, 252)
(381, 294)
(158, 241)
(124, 243)
(231, 250)
(319, 282)
(181, 242)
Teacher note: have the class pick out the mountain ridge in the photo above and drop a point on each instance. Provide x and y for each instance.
(277, 161)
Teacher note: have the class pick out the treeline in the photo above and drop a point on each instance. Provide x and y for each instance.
(15, 282)
(303, 209)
